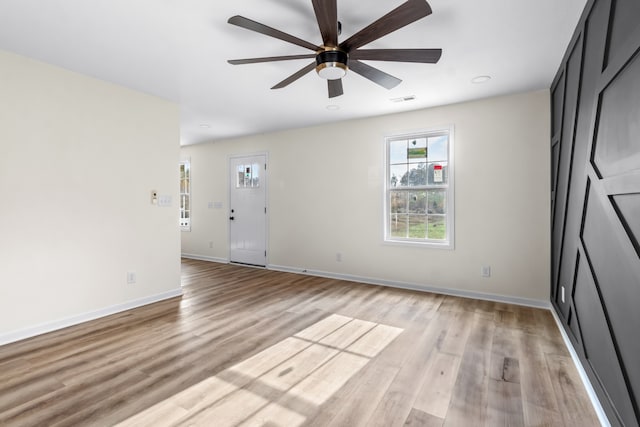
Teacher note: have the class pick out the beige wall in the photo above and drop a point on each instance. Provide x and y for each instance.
(78, 159)
(325, 196)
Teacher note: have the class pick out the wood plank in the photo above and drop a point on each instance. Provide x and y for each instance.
(455, 336)
(539, 401)
(318, 386)
(566, 386)
(348, 334)
(470, 394)
(435, 395)
(504, 404)
(375, 340)
(398, 400)
(369, 386)
(418, 418)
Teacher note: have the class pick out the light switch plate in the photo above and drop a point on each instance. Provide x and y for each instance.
(164, 201)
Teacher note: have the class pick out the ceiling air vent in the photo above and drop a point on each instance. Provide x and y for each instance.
(404, 98)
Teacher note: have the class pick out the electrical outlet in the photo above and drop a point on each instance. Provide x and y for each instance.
(485, 271)
(131, 277)
(562, 293)
(210, 244)
(338, 257)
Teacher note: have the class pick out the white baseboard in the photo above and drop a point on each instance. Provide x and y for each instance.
(602, 416)
(81, 318)
(205, 258)
(417, 287)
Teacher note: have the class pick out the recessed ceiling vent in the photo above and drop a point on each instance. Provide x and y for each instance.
(403, 98)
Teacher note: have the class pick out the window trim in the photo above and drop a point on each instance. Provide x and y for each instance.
(449, 242)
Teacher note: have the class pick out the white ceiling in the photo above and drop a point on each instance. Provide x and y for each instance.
(177, 50)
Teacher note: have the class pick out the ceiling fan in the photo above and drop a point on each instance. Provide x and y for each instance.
(333, 59)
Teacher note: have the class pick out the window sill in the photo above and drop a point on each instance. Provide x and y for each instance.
(419, 244)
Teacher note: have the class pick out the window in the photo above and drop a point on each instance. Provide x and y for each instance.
(419, 188)
(185, 195)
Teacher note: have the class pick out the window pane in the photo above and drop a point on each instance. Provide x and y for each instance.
(184, 186)
(438, 173)
(398, 225)
(240, 173)
(418, 202)
(255, 175)
(438, 148)
(437, 203)
(437, 227)
(417, 150)
(398, 152)
(417, 175)
(398, 202)
(396, 174)
(418, 226)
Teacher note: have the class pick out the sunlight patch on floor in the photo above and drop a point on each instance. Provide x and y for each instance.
(280, 386)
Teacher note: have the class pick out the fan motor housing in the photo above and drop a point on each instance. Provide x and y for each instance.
(332, 64)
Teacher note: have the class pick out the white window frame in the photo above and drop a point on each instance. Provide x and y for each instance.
(185, 226)
(448, 242)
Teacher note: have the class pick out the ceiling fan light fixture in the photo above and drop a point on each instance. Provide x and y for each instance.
(332, 64)
(333, 58)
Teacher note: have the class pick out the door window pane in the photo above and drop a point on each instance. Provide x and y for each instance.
(248, 176)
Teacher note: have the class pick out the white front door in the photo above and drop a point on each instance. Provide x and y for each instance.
(248, 210)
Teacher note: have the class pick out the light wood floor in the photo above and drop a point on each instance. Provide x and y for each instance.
(254, 347)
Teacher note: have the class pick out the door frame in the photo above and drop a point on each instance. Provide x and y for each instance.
(266, 203)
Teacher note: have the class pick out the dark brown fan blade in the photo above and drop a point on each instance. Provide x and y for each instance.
(427, 56)
(335, 88)
(327, 16)
(295, 76)
(380, 77)
(403, 15)
(243, 22)
(270, 59)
